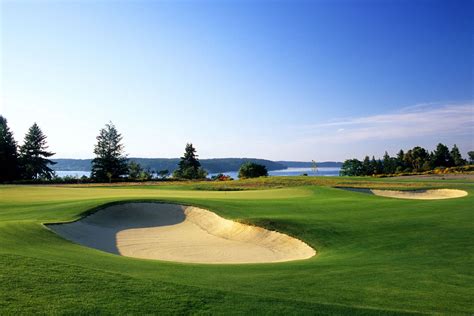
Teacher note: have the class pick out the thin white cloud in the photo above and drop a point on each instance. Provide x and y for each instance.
(417, 121)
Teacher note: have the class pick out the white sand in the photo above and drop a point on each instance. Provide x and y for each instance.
(435, 194)
(180, 233)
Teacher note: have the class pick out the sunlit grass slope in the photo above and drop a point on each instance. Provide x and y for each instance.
(376, 255)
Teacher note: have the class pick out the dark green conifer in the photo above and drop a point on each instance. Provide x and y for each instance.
(110, 161)
(189, 166)
(9, 168)
(34, 162)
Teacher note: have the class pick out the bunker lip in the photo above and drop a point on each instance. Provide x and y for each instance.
(431, 194)
(180, 233)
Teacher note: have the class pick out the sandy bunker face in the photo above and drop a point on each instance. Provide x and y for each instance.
(180, 233)
(435, 194)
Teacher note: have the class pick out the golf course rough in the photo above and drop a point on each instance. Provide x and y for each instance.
(180, 233)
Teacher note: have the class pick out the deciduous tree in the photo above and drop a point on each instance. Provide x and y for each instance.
(163, 173)
(134, 170)
(471, 156)
(352, 167)
(252, 170)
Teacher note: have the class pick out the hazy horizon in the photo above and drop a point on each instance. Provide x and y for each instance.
(132, 157)
(285, 80)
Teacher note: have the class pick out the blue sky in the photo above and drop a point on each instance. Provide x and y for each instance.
(295, 80)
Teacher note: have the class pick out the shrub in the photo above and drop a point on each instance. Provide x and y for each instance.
(252, 170)
(221, 177)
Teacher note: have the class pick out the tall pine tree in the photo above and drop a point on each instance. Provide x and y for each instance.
(8, 153)
(110, 161)
(442, 156)
(34, 160)
(366, 166)
(389, 164)
(456, 156)
(189, 166)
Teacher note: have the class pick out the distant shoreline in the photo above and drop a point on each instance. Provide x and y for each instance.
(323, 171)
(215, 165)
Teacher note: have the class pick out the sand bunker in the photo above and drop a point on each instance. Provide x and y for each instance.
(435, 194)
(180, 233)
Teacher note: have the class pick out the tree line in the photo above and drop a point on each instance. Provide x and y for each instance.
(29, 162)
(110, 162)
(417, 159)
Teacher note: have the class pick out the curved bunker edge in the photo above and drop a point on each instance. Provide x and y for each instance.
(179, 233)
(428, 194)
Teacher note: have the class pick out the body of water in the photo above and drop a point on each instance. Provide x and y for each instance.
(331, 172)
(326, 171)
(76, 174)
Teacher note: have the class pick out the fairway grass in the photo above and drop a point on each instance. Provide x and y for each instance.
(376, 255)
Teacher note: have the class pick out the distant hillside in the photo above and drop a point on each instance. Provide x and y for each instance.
(308, 164)
(72, 164)
(211, 165)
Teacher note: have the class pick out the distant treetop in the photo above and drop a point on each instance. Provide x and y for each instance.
(416, 159)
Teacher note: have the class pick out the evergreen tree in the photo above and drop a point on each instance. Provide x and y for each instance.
(373, 166)
(389, 164)
(366, 166)
(432, 159)
(189, 166)
(379, 167)
(9, 169)
(33, 155)
(442, 156)
(400, 161)
(456, 156)
(414, 160)
(408, 161)
(110, 161)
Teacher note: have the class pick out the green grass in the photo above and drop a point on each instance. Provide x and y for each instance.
(376, 255)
